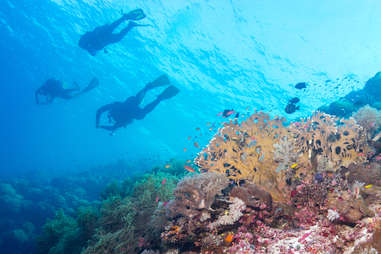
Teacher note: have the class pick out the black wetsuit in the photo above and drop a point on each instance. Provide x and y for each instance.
(51, 89)
(120, 114)
(102, 36)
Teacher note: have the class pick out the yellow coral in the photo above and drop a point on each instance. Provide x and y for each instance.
(324, 137)
(246, 151)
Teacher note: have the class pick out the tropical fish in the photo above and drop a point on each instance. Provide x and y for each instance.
(294, 165)
(185, 149)
(229, 238)
(196, 145)
(368, 186)
(294, 100)
(188, 161)
(190, 169)
(189, 138)
(291, 108)
(301, 85)
(164, 180)
(157, 199)
(198, 128)
(167, 166)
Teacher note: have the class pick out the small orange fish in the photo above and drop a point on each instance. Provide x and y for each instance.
(157, 199)
(196, 145)
(207, 124)
(189, 138)
(167, 166)
(198, 129)
(164, 180)
(229, 238)
(188, 161)
(190, 169)
(185, 149)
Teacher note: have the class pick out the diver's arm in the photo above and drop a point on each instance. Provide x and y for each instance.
(112, 127)
(49, 99)
(100, 111)
(108, 127)
(36, 96)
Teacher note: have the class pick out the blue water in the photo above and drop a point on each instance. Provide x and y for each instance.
(220, 54)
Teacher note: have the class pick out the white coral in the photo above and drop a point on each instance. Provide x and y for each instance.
(356, 187)
(332, 215)
(233, 215)
(284, 154)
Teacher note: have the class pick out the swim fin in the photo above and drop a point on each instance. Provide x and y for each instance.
(93, 84)
(137, 14)
(163, 80)
(168, 93)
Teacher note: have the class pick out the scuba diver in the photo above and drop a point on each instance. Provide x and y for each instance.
(53, 88)
(102, 36)
(120, 114)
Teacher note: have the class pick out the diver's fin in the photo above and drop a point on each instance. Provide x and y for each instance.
(93, 84)
(168, 93)
(137, 14)
(163, 80)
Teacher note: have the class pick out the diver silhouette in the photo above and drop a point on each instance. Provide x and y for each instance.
(120, 114)
(102, 36)
(53, 88)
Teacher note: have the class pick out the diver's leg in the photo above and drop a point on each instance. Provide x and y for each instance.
(67, 94)
(114, 38)
(147, 109)
(140, 96)
(116, 23)
(119, 36)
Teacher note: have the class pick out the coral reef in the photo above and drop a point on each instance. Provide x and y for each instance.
(312, 186)
(265, 152)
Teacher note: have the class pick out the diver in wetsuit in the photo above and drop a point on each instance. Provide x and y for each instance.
(53, 88)
(120, 114)
(102, 36)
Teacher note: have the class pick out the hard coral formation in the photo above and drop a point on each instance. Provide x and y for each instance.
(231, 215)
(195, 194)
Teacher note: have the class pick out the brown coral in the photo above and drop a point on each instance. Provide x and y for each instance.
(252, 195)
(193, 194)
(351, 210)
(368, 174)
